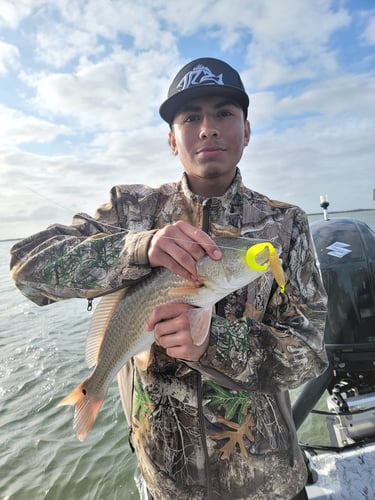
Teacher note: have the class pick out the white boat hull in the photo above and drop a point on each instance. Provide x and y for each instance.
(348, 475)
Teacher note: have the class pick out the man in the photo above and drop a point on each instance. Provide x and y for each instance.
(211, 421)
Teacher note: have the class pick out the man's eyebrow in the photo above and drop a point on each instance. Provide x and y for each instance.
(220, 104)
(227, 102)
(189, 107)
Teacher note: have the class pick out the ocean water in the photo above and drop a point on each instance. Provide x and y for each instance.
(41, 361)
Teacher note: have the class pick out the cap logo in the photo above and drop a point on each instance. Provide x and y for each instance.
(199, 75)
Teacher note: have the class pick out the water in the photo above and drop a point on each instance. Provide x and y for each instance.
(41, 360)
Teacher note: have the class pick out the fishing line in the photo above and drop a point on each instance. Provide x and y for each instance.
(54, 202)
(105, 224)
(250, 257)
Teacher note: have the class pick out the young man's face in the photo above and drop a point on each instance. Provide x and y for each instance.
(209, 135)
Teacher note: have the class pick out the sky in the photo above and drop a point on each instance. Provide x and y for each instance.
(81, 82)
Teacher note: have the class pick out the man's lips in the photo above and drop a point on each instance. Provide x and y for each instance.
(210, 150)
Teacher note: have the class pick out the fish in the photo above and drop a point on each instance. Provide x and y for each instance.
(117, 329)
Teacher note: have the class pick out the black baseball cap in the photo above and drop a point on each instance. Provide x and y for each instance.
(200, 78)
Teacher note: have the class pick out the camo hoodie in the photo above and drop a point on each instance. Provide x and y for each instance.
(220, 428)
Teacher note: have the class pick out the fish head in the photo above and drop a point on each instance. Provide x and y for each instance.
(243, 260)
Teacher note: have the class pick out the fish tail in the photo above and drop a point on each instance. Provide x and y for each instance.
(86, 409)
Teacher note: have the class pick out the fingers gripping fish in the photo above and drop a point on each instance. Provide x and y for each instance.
(117, 330)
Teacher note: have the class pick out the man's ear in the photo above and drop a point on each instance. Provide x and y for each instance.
(247, 132)
(172, 142)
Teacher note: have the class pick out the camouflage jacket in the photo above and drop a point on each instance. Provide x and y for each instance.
(220, 428)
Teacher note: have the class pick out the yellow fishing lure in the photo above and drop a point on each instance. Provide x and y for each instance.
(274, 262)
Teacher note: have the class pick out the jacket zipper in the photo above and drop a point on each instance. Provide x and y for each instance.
(206, 229)
(206, 216)
(203, 434)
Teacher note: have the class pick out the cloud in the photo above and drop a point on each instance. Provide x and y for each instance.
(283, 22)
(274, 35)
(81, 114)
(118, 92)
(348, 99)
(50, 189)
(350, 94)
(299, 164)
(34, 184)
(18, 128)
(84, 29)
(9, 57)
(368, 36)
(276, 46)
(12, 13)
(59, 45)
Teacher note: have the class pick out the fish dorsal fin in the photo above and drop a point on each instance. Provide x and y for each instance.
(200, 322)
(100, 322)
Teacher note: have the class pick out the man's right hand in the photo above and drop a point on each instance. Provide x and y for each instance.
(178, 247)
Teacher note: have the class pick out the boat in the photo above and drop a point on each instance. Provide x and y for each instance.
(344, 468)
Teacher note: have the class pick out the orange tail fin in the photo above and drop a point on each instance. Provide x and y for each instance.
(86, 409)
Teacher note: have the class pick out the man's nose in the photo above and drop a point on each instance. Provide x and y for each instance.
(208, 128)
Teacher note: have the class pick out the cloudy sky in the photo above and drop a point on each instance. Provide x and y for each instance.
(81, 82)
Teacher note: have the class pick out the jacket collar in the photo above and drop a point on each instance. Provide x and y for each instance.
(235, 189)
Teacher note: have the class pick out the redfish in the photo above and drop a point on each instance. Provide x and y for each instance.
(117, 331)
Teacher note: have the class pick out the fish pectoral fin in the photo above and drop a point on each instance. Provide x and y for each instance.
(200, 322)
(86, 410)
(142, 359)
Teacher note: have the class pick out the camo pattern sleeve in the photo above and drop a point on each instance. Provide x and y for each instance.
(285, 348)
(88, 258)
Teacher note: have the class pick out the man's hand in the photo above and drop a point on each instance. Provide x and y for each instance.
(171, 326)
(179, 246)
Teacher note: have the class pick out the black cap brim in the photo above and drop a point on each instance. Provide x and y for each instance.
(173, 104)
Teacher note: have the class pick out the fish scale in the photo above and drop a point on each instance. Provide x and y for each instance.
(130, 318)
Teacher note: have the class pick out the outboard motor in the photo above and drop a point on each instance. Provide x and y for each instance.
(346, 253)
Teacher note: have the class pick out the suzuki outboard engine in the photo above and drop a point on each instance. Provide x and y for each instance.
(346, 253)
